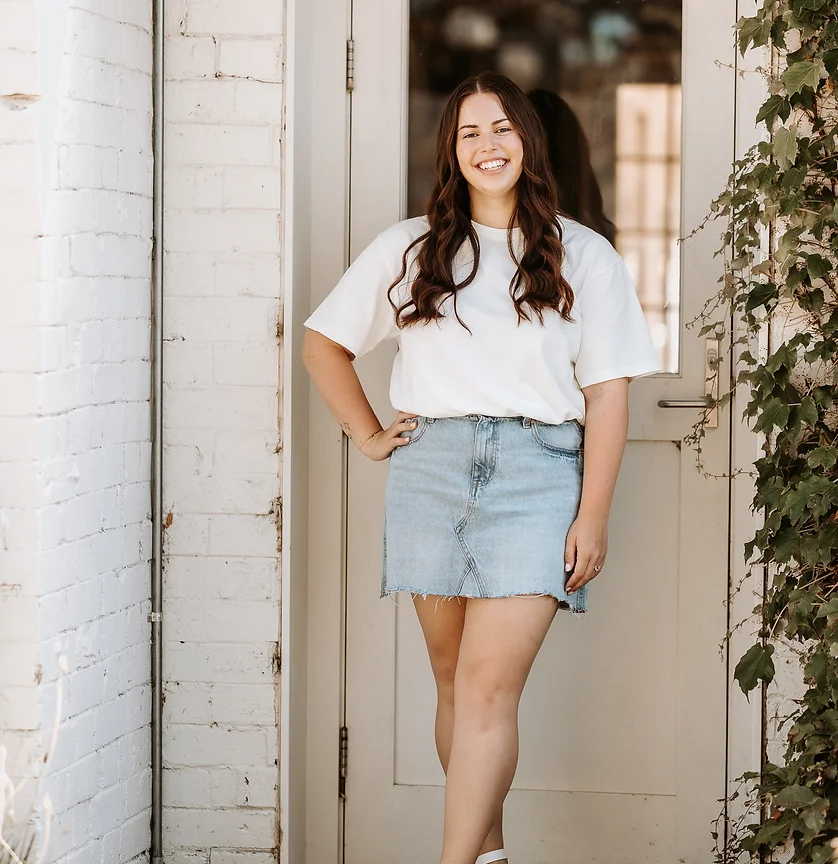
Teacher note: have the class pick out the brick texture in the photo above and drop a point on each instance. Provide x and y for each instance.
(221, 441)
(75, 180)
(22, 359)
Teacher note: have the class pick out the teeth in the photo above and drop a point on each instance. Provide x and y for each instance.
(491, 166)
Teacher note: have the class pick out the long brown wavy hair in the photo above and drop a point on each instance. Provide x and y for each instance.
(538, 283)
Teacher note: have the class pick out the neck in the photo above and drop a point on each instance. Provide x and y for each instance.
(495, 212)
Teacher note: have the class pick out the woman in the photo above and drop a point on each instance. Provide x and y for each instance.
(516, 326)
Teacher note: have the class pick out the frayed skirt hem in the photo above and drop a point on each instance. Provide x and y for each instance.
(564, 603)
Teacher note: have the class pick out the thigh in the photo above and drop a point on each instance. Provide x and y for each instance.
(501, 638)
(442, 620)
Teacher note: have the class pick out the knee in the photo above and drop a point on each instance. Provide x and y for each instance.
(485, 692)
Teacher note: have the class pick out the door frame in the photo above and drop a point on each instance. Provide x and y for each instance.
(317, 127)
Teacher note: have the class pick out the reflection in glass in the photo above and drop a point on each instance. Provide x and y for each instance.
(605, 78)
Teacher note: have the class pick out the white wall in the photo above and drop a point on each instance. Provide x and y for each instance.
(21, 359)
(74, 378)
(223, 111)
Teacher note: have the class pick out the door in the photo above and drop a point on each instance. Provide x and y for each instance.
(623, 719)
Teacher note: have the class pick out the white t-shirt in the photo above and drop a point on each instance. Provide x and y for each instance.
(502, 368)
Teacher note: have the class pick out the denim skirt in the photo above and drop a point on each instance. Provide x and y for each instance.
(480, 506)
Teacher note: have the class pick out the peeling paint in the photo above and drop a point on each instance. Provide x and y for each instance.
(19, 101)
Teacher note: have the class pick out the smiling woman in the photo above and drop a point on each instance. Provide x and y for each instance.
(489, 500)
(488, 146)
(490, 137)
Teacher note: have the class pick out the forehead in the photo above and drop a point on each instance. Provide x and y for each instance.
(481, 109)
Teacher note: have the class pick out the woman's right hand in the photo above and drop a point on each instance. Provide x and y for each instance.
(380, 445)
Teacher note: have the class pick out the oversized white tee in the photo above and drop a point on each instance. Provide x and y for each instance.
(502, 368)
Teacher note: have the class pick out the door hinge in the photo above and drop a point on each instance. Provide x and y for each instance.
(342, 760)
(350, 65)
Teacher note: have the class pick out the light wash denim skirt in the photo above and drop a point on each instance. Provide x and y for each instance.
(480, 506)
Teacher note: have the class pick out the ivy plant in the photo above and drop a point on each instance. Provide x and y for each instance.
(780, 247)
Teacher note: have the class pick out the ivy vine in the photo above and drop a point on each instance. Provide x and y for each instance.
(780, 247)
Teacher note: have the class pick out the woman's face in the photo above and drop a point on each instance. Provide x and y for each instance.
(490, 151)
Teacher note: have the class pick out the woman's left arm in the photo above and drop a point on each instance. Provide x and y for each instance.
(606, 430)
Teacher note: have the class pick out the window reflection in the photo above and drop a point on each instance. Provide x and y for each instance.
(605, 78)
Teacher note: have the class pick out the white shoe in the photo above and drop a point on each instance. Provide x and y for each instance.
(489, 857)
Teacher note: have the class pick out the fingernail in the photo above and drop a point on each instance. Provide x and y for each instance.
(568, 568)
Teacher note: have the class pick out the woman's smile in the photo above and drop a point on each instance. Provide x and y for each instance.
(492, 166)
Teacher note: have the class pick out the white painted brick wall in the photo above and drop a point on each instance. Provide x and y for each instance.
(21, 357)
(221, 475)
(75, 168)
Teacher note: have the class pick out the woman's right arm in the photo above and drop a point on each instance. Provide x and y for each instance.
(330, 366)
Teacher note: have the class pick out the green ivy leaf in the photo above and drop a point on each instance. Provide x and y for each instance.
(771, 834)
(771, 109)
(786, 543)
(816, 669)
(824, 396)
(822, 457)
(806, 73)
(828, 610)
(755, 665)
(775, 415)
(808, 411)
(822, 854)
(785, 357)
(827, 546)
(795, 502)
(761, 294)
(818, 266)
(753, 31)
(794, 796)
(830, 61)
(814, 817)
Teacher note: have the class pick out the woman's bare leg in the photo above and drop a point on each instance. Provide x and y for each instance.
(442, 621)
(501, 638)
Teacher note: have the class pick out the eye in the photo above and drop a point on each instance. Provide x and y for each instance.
(504, 129)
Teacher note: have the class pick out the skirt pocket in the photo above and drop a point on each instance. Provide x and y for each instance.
(559, 439)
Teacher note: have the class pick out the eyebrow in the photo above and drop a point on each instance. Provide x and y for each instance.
(475, 126)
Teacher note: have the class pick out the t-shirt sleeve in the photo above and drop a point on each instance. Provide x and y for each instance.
(615, 338)
(356, 313)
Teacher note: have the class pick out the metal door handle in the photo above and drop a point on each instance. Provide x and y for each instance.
(711, 384)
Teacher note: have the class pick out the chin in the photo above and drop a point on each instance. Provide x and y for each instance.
(486, 186)
(497, 191)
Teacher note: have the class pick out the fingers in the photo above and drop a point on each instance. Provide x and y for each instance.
(570, 551)
(572, 562)
(381, 444)
(582, 563)
(399, 426)
(584, 571)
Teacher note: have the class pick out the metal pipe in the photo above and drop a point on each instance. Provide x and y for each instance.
(156, 617)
